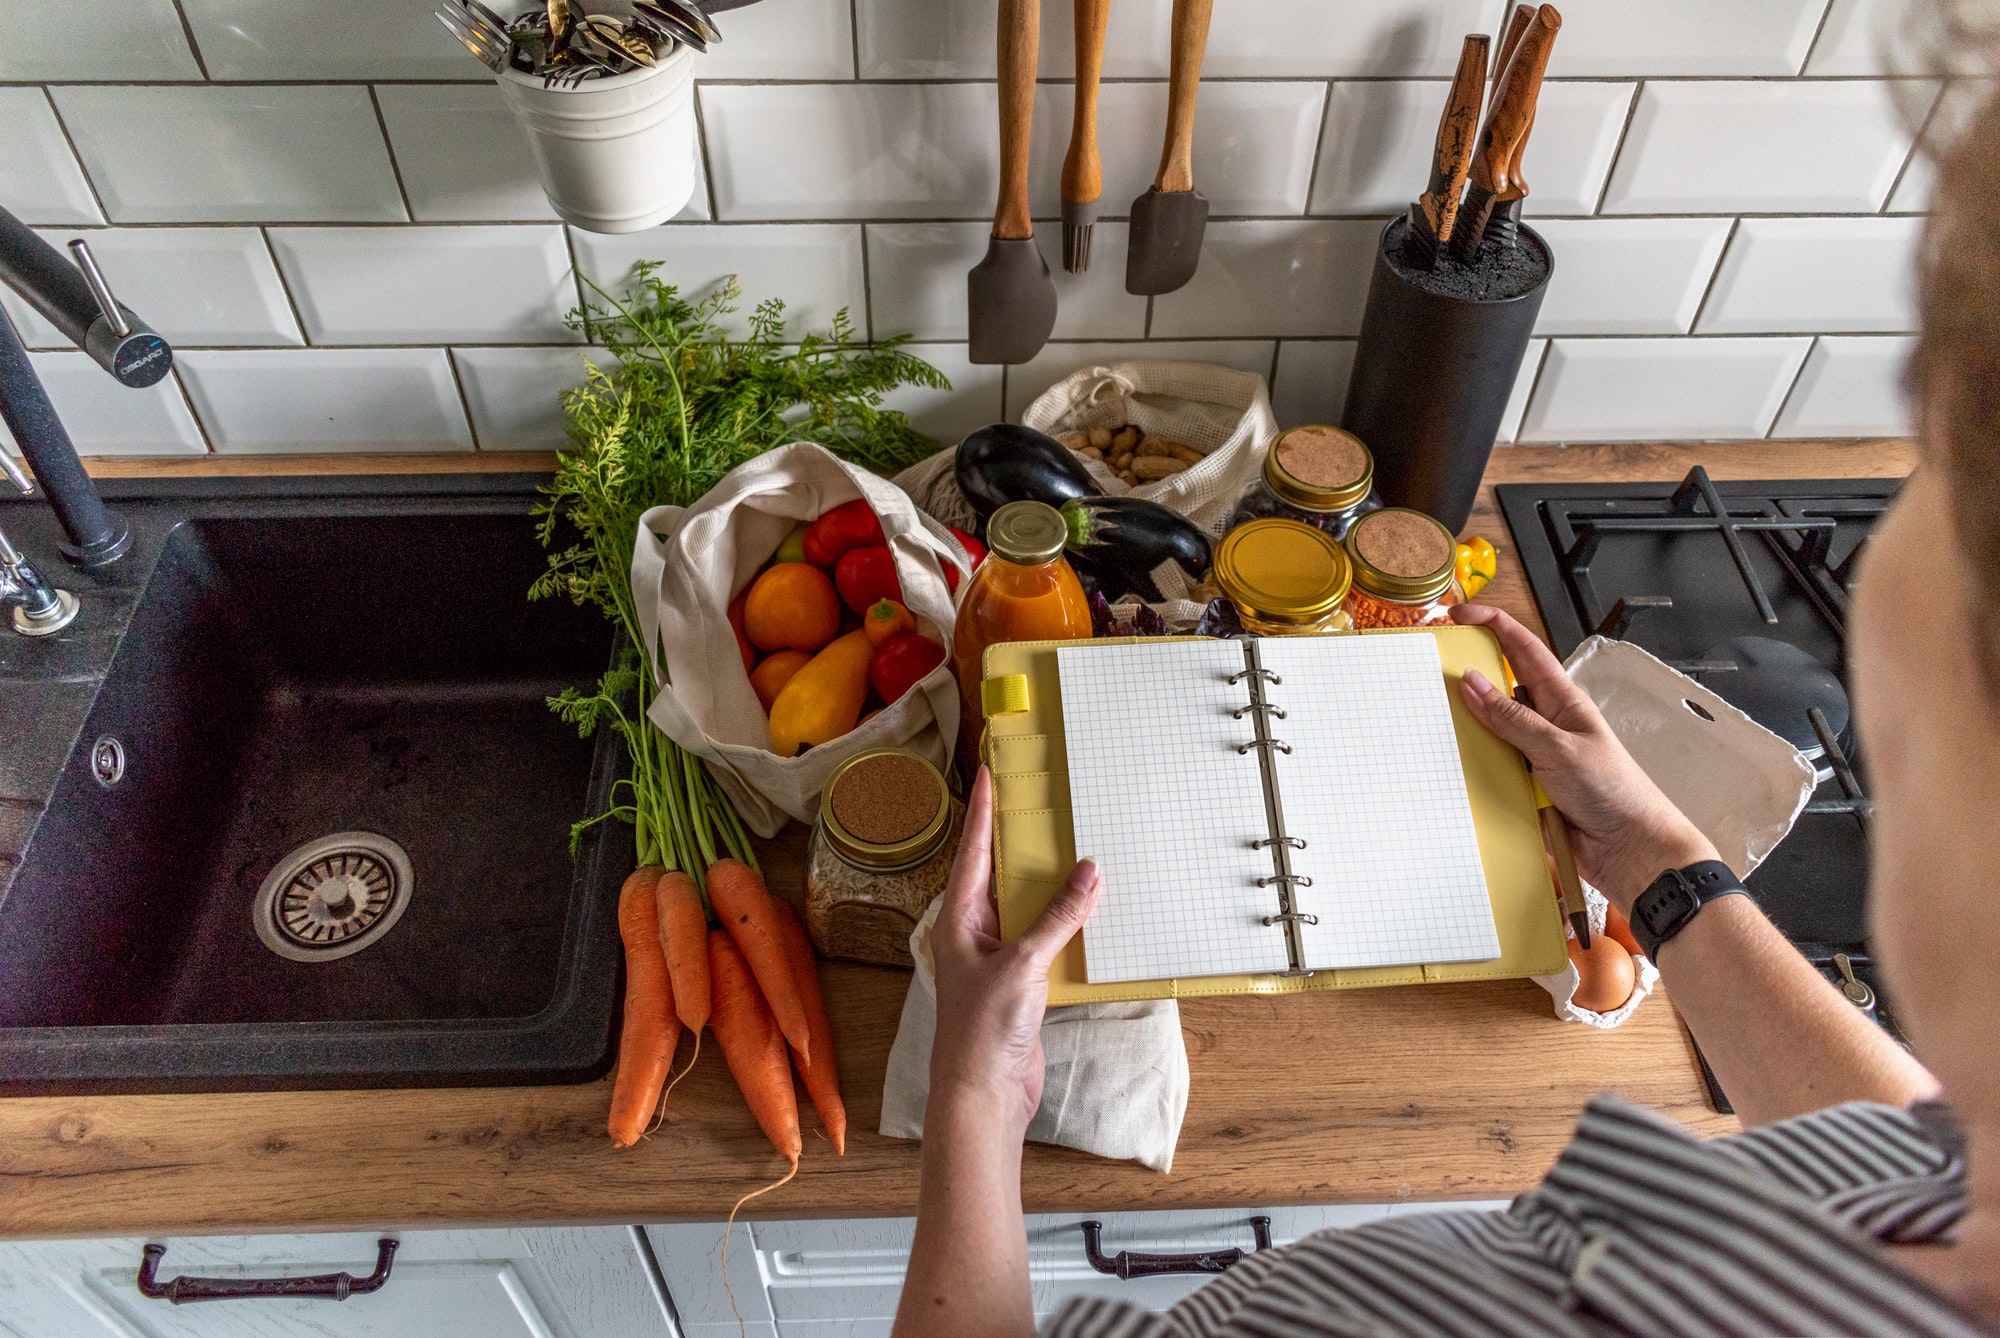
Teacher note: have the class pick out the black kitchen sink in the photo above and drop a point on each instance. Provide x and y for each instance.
(312, 828)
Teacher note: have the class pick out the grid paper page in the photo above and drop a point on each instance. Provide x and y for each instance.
(1375, 787)
(1160, 797)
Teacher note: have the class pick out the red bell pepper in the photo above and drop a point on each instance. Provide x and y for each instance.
(849, 526)
(902, 662)
(865, 575)
(973, 548)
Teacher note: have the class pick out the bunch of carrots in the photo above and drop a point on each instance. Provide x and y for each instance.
(753, 982)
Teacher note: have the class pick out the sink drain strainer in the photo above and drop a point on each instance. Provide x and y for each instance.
(333, 897)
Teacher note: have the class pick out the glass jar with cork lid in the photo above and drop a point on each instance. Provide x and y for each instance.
(1403, 570)
(879, 852)
(1317, 475)
(1284, 577)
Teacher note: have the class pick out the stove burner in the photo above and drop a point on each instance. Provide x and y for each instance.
(1776, 684)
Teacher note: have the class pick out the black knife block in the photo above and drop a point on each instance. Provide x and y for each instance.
(1432, 376)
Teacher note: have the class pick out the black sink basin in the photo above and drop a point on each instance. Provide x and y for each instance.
(314, 829)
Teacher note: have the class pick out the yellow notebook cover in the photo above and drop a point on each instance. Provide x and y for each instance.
(1033, 850)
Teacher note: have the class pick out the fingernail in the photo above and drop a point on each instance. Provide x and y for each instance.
(1085, 872)
(1478, 683)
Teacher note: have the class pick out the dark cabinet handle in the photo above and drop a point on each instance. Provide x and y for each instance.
(1125, 1264)
(337, 1286)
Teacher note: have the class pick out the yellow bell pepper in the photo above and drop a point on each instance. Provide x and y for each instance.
(1477, 564)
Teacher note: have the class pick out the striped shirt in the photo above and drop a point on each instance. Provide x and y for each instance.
(1639, 1228)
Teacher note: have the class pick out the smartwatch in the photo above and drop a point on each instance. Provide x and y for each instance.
(1675, 898)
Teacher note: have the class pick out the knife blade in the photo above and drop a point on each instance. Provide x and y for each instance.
(1508, 115)
(1433, 212)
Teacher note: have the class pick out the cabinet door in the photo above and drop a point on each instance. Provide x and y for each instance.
(558, 1283)
(842, 1278)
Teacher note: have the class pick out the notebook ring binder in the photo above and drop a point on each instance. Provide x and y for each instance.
(1295, 842)
(1295, 880)
(1242, 711)
(1264, 674)
(1293, 917)
(1279, 744)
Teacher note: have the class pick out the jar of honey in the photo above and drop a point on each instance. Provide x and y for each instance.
(1403, 570)
(1317, 475)
(1284, 577)
(1024, 591)
(879, 852)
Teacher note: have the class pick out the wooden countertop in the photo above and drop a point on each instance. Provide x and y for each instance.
(1424, 1092)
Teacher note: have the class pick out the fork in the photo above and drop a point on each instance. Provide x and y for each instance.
(491, 52)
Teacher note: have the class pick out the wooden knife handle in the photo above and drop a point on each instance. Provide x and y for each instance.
(1458, 132)
(1517, 23)
(1183, 78)
(1513, 107)
(1020, 48)
(1083, 173)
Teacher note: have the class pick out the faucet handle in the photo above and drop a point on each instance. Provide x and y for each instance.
(93, 278)
(16, 475)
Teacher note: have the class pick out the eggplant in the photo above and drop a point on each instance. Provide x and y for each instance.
(1120, 541)
(1005, 463)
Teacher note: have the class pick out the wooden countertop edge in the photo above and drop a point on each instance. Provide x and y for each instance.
(1480, 1114)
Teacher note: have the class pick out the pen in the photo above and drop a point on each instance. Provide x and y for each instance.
(1555, 835)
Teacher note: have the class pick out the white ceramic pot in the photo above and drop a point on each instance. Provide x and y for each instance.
(615, 154)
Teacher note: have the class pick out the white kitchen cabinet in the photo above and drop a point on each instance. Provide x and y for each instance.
(842, 1278)
(591, 1282)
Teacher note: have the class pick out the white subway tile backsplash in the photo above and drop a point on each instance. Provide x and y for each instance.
(1760, 147)
(954, 39)
(283, 39)
(40, 181)
(1628, 275)
(196, 286)
(104, 417)
(1851, 387)
(1027, 381)
(795, 39)
(1685, 37)
(1373, 38)
(484, 285)
(514, 394)
(95, 39)
(1295, 278)
(1786, 275)
(222, 154)
(1524, 386)
(1864, 37)
(816, 268)
(1253, 145)
(482, 171)
(1311, 381)
(362, 400)
(972, 402)
(916, 279)
(1661, 389)
(1375, 152)
(1913, 192)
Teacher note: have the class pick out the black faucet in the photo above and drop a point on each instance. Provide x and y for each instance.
(76, 300)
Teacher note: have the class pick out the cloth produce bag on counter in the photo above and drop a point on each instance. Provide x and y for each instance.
(1223, 414)
(690, 562)
(1117, 1074)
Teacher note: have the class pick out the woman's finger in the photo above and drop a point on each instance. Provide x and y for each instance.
(1535, 665)
(1064, 916)
(1513, 721)
(968, 904)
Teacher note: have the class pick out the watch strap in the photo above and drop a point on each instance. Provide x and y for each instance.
(1675, 898)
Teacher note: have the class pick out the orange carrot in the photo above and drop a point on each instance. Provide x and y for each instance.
(743, 907)
(646, 1049)
(754, 1047)
(684, 935)
(822, 1078)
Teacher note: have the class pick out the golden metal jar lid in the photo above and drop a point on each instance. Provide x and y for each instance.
(1402, 555)
(916, 777)
(1026, 533)
(1282, 571)
(1319, 468)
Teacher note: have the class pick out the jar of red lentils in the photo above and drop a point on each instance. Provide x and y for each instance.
(1403, 570)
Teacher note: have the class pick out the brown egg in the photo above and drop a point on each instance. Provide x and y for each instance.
(1609, 976)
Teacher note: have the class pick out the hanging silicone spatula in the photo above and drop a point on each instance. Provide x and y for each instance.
(1083, 173)
(1010, 295)
(1168, 220)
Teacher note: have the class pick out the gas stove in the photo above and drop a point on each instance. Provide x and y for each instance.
(1744, 587)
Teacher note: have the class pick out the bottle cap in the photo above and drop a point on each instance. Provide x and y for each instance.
(1282, 571)
(1402, 555)
(1026, 534)
(1319, 468)
(885, 808)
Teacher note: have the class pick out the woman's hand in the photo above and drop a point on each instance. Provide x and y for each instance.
(1627, 832)
(991, 995)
